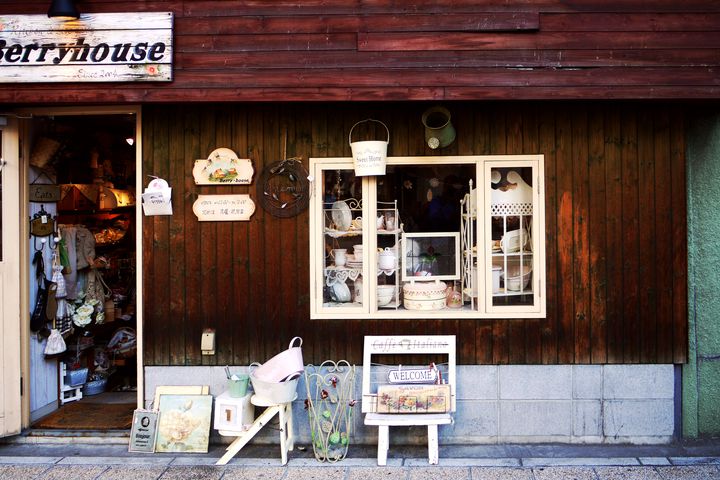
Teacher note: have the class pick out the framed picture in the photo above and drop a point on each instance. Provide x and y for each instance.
(431, 256)
(178, 390)
(184, 424)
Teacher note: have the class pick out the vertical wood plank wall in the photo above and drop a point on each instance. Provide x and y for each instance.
(615, 208)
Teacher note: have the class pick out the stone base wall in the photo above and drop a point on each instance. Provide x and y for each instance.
(508, 404)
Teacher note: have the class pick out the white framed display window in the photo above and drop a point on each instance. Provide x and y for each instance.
(435, 237)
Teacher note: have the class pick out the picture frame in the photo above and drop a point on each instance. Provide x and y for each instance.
(184, 424)
(431, 256)
(178, 390)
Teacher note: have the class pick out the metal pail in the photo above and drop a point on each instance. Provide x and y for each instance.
(369, 156)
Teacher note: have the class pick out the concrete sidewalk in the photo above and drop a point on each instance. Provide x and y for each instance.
(23, 458)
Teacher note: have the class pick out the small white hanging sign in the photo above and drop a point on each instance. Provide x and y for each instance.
(223, 167)
(224, 208)
(157, 198)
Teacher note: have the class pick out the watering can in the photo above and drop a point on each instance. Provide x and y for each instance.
(439, 132)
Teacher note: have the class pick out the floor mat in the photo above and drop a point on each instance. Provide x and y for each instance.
(89, 416)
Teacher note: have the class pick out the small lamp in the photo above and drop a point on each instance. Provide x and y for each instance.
(63, 10)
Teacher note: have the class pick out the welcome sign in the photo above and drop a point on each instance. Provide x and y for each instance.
(100, 47)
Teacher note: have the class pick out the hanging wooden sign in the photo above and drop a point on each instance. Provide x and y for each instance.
(224, 208)
(223, 167)
(97, 47)
(44, 193)
(42, 223)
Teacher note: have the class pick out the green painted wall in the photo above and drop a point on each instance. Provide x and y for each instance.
(701, 375)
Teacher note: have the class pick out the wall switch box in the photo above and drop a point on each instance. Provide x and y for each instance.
(207, 342)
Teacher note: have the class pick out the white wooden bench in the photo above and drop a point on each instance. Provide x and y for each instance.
(401, 345)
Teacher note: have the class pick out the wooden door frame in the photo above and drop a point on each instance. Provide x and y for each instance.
(13, 337)
(90, 110)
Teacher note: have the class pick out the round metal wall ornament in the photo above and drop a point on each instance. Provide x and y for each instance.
(284, 188)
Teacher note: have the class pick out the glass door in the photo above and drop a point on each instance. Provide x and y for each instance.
(513, 236)
(340, 283)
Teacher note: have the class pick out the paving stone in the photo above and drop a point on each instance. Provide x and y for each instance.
(564, 473)
(254, 473)
(465, 462)
(315, 473)
(29, 460)
(377, 473)
(485, 473)
(76, 472)
(190, 473)
(439, 473)
(132, 473)
(698, 472)
(145, 460)
(579, 461)
(654, 461)
(695, 460)
(22, 472)
(627, 473)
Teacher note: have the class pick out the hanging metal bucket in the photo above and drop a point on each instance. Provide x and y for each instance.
(439, 132)
(369, 156)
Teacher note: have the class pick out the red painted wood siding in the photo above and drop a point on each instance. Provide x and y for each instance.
(319, 50)
(615, 234)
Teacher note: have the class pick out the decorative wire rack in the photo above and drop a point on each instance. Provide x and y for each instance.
(330, 406)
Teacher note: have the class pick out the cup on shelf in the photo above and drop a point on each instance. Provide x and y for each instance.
(358, 252)
(340, 256)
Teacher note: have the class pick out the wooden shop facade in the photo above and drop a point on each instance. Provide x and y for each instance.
(584, 106)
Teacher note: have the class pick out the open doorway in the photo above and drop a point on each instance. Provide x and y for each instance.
(83, 300)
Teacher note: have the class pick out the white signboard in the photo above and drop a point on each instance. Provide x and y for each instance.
(413, 375)
(223, 167)
(98, 47)
(224, 208)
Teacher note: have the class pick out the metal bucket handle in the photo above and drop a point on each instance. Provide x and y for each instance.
(293, 341)
(368, 120)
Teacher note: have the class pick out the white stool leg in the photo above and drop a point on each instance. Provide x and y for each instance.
(433, 444)
(383, 444)
(290, 430)
(283, 434)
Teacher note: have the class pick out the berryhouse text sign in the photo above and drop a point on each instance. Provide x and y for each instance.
(100, 47)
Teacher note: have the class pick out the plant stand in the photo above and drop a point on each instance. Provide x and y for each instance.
(330, 402)
(68, 393)
(287, 438)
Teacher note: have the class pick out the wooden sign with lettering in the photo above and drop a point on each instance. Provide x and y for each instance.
(223, 167)
(413, 375)
(144, 431)
(224, 208)
(97, 47)
(44, 193)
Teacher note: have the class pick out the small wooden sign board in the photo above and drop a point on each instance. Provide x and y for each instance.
(224, 208)
(143, 431)
(223, 167)
(44, 193)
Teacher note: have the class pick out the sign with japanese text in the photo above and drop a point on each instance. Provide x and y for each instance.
(98, 47)
(224, 208)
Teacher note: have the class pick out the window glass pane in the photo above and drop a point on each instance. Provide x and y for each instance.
(512, 229)
(428, 196)
(342, 239)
